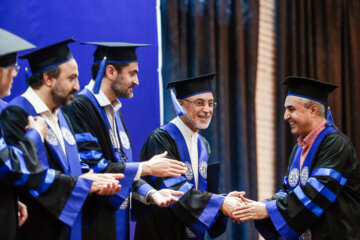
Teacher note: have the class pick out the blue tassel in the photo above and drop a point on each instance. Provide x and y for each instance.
(330, 120)
(178, 108)
(99, 76)
(27, 76)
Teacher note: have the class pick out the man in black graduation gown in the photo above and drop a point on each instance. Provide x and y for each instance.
(200, 209)
(19, 166)
(55, 206)
(320, 196)
(104, 141)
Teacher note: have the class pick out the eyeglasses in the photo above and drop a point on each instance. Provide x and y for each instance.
(200, 103)
(16, 69)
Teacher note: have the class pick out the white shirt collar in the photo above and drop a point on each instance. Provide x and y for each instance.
(191, 139)
(185, 130)
(102, 99)
(38, 104)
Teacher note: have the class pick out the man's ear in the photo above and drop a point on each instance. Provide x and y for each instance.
(180, 102)
(111, 72)
(1, 72)
(48, 81)
(314, 109)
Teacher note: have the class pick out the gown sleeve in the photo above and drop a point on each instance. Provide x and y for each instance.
(20, 162)
(60, 194)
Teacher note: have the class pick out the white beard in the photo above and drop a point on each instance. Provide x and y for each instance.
(195, 124)
(203, 125)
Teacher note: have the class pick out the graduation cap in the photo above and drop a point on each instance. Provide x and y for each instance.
(10, 44)
(112, 52)
(189, 87)
(50, 56)
(311, 89)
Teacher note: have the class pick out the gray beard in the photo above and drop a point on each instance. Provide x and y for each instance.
(195, 125)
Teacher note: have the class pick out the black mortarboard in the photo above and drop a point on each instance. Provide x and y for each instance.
(10, 44)
(309, 88)
(116, 52)
(48, 57)
(189, 87)
(112, 52)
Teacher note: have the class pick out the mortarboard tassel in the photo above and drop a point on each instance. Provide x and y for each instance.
(99, 76)
(178, 108)
(330, 120)
(27, 76)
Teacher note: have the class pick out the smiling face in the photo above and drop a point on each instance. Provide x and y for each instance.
(198, 117)
(300, 118)
(66, 84)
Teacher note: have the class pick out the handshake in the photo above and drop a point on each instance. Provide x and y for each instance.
(241, 209)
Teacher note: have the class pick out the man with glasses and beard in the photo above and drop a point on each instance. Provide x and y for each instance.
(200, 209)
(55, 207)
(12, 212)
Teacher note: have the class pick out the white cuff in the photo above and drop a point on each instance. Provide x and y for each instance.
(144, 199)
(138, 173)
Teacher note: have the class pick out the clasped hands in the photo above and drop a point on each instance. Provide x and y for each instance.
(241, 209)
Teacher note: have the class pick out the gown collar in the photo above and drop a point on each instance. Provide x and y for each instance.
(102, 99)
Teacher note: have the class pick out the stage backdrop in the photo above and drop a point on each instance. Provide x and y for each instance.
(46, 22)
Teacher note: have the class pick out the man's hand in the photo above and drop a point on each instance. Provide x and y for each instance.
(22, 213)
(104, 183)
(236, 194)
(37, 123)
(229, 205)
(165, 197)
(160, 166)
(246, 200)
(251, 210)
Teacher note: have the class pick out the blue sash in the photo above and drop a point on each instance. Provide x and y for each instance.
(70, 164)
(25, 105)
(120, 127)
(203, 156)
(122, 213)
(295, 176)
(3, 105)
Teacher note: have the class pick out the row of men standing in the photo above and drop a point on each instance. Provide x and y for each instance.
(89, 135)
(173, 199)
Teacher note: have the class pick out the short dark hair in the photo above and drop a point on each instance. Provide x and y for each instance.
(36, 80)
(95, 68)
